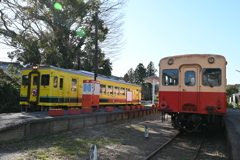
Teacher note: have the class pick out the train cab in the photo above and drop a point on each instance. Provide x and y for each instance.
(192, 87)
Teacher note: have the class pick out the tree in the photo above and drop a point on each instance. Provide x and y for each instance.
(126, 78)
(140, 73)
(41, 34)
(231, 89)
(105, 67)
(9, 90)
(131, 75)
(150, 71)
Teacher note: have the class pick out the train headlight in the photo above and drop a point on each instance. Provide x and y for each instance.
(35, 67)
(170, 61)
(211, 60)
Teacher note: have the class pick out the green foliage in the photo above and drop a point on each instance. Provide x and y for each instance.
(126, 78)
(47, 34)
(150, 71)
(140, 73)
(14, 73)
(231, 89)
(229, 105)
(9, 90)
(131, 76)
(105, 67)
(9, 94)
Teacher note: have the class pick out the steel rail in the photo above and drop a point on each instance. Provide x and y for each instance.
(157, 150)
(199, 148)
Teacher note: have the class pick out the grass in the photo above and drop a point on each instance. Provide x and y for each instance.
(76, 144)
(231, 106)
(58, 146)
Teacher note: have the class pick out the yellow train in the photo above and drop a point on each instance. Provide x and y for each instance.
(49, 86)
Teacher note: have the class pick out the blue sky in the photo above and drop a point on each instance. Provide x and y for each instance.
(159, 28)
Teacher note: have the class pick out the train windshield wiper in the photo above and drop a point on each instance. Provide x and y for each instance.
(209, 83)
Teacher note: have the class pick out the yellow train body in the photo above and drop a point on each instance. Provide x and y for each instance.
(57, 87)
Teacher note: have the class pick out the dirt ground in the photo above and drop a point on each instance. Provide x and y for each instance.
(118, 140)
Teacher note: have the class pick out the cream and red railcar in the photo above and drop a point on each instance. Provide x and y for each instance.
(49, 86)
(192, 89)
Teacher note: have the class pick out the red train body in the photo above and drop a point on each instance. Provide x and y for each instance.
(192, 89)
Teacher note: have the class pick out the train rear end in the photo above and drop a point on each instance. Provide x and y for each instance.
(192, 90)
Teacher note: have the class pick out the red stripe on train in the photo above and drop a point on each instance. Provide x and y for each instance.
(193, 102)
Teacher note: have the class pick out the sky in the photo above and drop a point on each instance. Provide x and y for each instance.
(155, 29)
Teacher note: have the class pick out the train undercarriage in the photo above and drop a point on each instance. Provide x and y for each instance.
(196, 122)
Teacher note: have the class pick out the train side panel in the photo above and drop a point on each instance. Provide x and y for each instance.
(52, 86)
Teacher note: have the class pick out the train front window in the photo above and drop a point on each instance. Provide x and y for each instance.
(190, 78)
(170, 77)
(35, 80)
(45, 80)
(25, 80)
(211, 77)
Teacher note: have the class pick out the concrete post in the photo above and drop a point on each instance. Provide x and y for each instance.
(153, 90)
(93, 152)
(234, 103)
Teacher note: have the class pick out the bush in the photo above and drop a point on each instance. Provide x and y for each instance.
(9, 94)
(229, 105)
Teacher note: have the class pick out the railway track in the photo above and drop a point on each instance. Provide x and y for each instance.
(177, 139)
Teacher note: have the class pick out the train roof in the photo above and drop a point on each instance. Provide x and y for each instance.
(193, 55)
(82, 72)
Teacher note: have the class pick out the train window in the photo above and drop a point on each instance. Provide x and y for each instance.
(211, 77)
(137, 92)
(45, 80)
(122, 91)
(25, 80)
(61, 83)
(127, 89)
(170, 77)
(110, 89)
(55, 81)
(35, 80)
(190, 78)
(116, 90)
(102, 89)
(74, 85)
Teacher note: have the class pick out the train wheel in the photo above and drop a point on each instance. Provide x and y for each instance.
(222, 122)
(173, 122)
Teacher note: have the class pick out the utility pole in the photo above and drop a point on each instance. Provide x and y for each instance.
(96, 48)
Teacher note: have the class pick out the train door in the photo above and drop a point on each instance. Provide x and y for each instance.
(61, 90)
(190, 78)
(74, 92)
(33, 87)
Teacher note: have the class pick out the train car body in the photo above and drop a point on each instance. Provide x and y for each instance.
(50, 86)
(192, 89)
